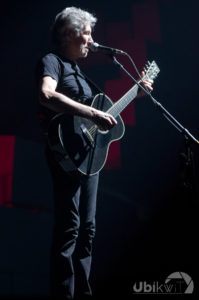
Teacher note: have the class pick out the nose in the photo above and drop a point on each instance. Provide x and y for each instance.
(90, 40)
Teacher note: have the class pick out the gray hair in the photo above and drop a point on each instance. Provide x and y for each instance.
(70, 18)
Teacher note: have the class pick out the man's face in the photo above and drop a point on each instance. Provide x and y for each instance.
(79, 45)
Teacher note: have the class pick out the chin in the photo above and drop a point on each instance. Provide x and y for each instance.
(84, 52)
(84, 55)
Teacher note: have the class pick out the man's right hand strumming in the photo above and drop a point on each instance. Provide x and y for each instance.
(103, 120)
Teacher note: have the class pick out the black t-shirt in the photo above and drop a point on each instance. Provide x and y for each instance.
(70, 81)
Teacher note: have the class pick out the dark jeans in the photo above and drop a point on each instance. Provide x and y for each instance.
(74, 229)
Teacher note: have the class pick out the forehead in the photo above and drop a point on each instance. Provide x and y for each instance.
(87, 27)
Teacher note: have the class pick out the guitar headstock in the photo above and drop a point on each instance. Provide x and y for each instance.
(151, 70)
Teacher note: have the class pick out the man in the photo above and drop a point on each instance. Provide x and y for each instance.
(63, 88)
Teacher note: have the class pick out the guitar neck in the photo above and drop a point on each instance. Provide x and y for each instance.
(123, 102)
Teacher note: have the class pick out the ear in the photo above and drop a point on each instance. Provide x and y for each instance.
(69, 34)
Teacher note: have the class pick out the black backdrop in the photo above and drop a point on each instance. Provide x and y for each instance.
(147, 208)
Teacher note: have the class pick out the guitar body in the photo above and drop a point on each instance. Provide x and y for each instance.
(78, 144)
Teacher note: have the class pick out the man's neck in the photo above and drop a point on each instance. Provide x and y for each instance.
(67, 54)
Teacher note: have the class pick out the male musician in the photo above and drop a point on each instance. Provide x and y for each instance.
(63, 88)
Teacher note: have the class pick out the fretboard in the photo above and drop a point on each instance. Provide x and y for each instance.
(123, 102)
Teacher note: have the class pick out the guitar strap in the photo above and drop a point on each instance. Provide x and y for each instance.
(93, 84)
(77, 73)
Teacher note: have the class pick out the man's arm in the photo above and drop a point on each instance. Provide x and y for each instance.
(61, 103)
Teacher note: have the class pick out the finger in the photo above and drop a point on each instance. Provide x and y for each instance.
(149, 88)
(113, 120)
(148, 81)
(109, 124)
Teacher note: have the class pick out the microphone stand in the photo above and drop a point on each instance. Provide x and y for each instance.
(188, 170)
(189, 138)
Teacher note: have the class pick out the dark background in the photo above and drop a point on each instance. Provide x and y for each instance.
(148, 207)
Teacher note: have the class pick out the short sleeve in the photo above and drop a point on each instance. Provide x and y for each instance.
(49, 66)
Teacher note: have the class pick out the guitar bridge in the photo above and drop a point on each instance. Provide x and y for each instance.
(87, 136)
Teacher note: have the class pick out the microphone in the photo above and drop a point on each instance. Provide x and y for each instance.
(95, 47)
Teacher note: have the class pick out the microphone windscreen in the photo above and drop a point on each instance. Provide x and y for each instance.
(94, 47)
